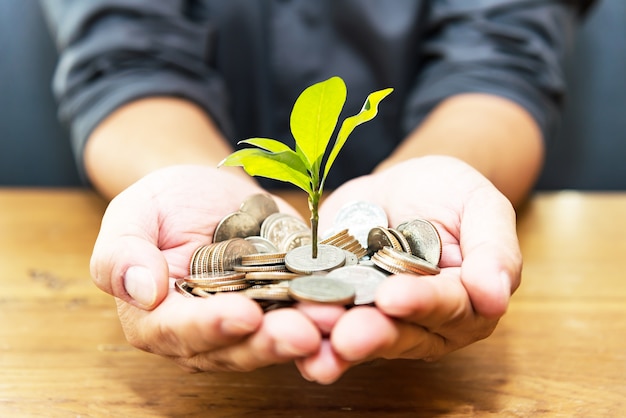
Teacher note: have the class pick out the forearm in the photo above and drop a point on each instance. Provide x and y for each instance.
(149, 134)
(494, 135)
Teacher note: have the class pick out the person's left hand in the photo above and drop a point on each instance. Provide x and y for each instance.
(425, 317)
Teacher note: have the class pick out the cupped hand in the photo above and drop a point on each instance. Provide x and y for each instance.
(426, 317)
(147, 237)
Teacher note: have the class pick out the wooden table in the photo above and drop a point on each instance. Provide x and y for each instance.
(560, 351)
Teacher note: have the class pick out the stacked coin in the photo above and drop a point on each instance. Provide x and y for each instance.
(344, 240)
(228, 281)
(396, 262)
(414, 247)
(262, 263)
(218, 257)
(270, 260)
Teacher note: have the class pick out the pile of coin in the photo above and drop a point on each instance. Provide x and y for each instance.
(267, 256)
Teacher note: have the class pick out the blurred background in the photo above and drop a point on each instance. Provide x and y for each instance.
(34, 148)
(589, 152)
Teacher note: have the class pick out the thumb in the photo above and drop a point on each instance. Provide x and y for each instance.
(492, 263)
(132, 269)
(126, 261)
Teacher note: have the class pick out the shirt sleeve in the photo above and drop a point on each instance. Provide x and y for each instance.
(116, 51)
(509, 48)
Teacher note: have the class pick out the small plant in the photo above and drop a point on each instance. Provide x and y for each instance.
(313, 120)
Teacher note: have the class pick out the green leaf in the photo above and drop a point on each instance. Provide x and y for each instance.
(267, 144)
(314, 119)
(367, 113)
(282, 166)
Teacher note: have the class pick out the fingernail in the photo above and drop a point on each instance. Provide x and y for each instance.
(140, 285)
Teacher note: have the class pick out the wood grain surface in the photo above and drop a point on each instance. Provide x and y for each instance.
(560, 351)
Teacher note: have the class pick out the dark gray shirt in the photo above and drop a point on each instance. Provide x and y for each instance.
(246, 61)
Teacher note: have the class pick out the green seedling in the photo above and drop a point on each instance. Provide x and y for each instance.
(313, 121)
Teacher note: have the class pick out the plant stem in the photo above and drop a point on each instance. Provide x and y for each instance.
(314, 200)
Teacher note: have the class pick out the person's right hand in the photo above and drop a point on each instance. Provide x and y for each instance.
(147, 237)
(425, 316)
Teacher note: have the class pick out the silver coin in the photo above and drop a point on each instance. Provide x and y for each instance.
(364, 279)
(236, 225)
(300, 260)
(259, 206)
(359, 217)
(277, 228)
(232, 252)
(423, 239)
(263, 246)
(321, 290)
(351, 258)
(268, 292)
(295, 240)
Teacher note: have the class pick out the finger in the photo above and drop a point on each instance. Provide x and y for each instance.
(323, 316)
(492, 260)
(324, 367)
(133, 270)
(184, 327)
(126, 262)
(365, 333)
(430, 301)
(284, 335)
(440, 304)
